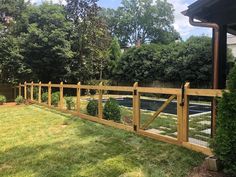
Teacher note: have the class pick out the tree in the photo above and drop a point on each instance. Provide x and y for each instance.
(10, 11)
(12, 66)
(90, 40)
(224, 144)
(187, 61)
(144, 20)
(138, 64)
(45, 45)
(114, 56)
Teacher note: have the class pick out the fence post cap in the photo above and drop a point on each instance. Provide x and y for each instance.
(40, 82)
(135, 84)
(187, 84)
(61, 83)
(79, 83)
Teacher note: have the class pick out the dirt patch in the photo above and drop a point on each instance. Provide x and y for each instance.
(11, 104)
(202, 171)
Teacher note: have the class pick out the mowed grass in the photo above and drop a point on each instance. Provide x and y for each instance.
(35, 141)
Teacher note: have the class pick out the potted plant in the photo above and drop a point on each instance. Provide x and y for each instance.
(2, 99)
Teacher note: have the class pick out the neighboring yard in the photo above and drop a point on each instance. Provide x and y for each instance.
(35, 141)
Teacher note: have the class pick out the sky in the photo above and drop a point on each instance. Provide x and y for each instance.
(181, 22)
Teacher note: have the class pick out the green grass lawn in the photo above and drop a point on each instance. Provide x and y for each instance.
(35, 141)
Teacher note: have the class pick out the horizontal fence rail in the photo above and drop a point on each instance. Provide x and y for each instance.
(178, 96)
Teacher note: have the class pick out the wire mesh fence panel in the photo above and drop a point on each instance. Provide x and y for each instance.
(158, 114)
(200, 120)
(118, 107)
(44, 95)
(69, 99)
(89, 102)
(55, 96)
(35, 93)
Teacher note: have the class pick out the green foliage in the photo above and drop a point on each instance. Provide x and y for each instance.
(46, 47)
(224, 144)
(13, 69)
(114, 56)
(144, 20)
(70, 103)
(19, 100)
(138, 64)
(55, 98)
(90, 41)
(2, 99)
(45, 97)
(232, 80)
(177, 62)
(112, 110)
(92, 108)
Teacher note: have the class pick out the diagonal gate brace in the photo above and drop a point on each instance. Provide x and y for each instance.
(157, 113)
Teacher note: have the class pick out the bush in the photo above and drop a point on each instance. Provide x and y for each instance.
(55, 98)
(70, 103)
(19, 100)
(2, 99)
(224, 144)
(45, 97)
(92, 108)
(112, 110)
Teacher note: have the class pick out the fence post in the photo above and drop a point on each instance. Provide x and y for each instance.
(14, 92)
(40, 92)
(49, 94)
(19, 89)
(180, 102)
(61, 96)
(32, 91)
(100, 109)
(78, 97)
(25, 91)
(136, 107)
(185, 126)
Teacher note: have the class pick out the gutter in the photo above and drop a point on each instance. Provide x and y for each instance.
(216, 31)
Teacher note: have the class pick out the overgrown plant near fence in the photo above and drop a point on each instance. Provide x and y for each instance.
(154, 124)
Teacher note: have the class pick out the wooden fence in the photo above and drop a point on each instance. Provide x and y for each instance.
(181, 95)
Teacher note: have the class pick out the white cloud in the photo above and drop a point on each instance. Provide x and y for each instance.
(182, 22)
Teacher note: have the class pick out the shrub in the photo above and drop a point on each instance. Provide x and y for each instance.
(19, 100)
(2, 99)
(45, 97)
(70, 103)
(224, 143)
(92, 108)
(55, 98)
(112, 110)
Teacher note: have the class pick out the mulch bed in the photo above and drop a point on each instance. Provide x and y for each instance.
(202, 171)
(11, 104)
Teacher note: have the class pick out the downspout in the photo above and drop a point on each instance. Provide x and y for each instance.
(216, 30)
(216, 46)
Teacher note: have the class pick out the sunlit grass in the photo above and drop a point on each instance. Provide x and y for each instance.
(36, 141)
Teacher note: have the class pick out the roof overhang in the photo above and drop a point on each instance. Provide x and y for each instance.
(221, 12)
